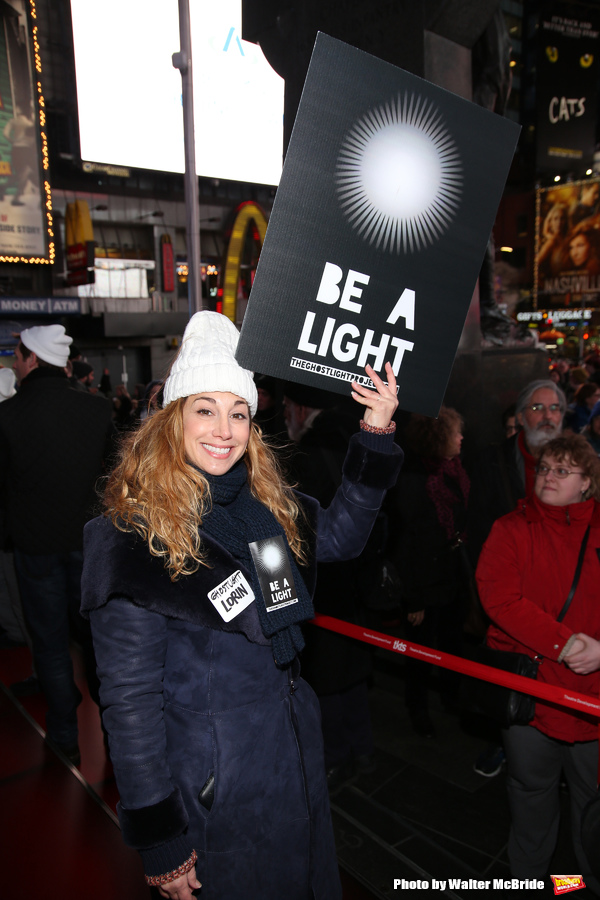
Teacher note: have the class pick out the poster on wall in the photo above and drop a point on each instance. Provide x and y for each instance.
(567, 240)
(380, 224)
(567, 88)
(23, 232)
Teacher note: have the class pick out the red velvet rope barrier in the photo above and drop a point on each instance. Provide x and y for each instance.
(405, 647)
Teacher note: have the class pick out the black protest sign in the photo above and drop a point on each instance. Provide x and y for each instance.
(378, 231)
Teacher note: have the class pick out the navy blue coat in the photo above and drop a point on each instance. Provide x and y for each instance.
(215, 748)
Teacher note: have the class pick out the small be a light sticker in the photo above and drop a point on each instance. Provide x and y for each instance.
(565, 883)
(274, 573)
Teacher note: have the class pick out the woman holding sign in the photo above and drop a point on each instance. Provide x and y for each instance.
(196, 582)
(534, 560)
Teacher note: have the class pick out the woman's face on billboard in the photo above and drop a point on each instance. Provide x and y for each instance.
(579, 250)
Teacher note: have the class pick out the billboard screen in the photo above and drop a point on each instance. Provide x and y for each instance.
(129, 94)
(567, 259)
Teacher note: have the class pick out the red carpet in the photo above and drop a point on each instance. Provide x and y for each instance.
(59, 836)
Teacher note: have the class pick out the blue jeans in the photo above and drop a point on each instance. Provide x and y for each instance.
(50, 587)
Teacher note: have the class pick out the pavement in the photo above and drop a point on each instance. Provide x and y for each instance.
(425, 824)
(422, 825)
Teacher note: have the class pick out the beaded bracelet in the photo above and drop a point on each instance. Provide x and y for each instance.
(373, 429)
(183, 869)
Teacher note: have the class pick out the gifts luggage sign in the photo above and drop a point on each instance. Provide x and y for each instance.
(378, 230)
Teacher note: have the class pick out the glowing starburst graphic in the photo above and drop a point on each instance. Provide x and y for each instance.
(399, 175)
(270, 558)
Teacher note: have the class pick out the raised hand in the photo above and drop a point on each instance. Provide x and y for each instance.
(380, 404)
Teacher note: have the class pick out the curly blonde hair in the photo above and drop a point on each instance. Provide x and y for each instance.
(154, 491)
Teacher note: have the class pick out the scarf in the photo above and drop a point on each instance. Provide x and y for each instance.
(448, 488)
(235, 520)
(528, 464)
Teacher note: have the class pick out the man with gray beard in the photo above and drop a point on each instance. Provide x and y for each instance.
(505, 472)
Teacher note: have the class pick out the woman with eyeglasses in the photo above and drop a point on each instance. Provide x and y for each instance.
(525, 574)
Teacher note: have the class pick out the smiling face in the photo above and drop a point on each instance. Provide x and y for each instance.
(216, 428)
(560, 491)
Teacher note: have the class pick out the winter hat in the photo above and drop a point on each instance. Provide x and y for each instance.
(49, 342)
(7, 384)
(206, 361)
(81, 369)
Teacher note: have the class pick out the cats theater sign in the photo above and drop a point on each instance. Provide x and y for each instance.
(380, 223)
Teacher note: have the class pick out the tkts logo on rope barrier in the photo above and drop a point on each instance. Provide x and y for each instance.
(539, 689)
(565, 883)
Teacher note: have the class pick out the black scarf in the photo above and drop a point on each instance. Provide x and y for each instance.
(235, 520)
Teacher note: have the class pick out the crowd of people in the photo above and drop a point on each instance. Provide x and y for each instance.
(231, 507)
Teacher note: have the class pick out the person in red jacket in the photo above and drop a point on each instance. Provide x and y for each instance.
(524, 575)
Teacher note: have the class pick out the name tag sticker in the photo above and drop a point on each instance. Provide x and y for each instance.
(274, 572)
(232, 596)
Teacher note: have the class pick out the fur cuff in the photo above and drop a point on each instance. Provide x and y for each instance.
(376, 469)
(156, 824)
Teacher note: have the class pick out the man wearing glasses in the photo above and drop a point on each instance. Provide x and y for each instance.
(505, 472)
(540, 410)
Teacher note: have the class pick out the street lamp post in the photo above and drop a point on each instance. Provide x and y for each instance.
(183, 61)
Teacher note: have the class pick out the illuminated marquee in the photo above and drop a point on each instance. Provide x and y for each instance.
(26, 220)
(557, 315)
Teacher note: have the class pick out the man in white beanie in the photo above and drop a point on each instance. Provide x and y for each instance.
(53, 441)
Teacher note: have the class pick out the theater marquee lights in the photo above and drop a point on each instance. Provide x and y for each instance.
(26, 220)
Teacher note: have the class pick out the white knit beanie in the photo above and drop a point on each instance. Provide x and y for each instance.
(7, 384)
(49, 342)
(206, 362)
